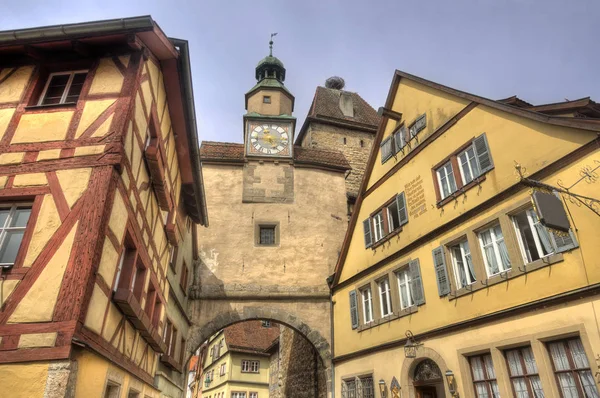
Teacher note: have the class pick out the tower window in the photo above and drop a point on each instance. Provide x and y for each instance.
(266, 99)
(362, 143)
(267, 234)
(344, 140)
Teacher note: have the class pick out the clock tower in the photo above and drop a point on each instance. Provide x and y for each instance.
(268, 122)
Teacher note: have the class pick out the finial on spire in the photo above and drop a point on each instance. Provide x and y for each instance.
(271, 44)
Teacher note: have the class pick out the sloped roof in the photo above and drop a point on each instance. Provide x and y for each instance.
(193, 363)
(229, 152)
(325, 108)
(250, 336)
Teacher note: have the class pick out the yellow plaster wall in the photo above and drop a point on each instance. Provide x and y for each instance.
(28, 180)
(5, 117)
(89, 150)
(108, 261)
(118, 216)
(281, 104)
(38, 304)
(104, 128)
(73, 182)
(49, 154)
(96, 309)
(37, 340)
(13, 88)
(26, 380)
(107, 79)
(11, 158)
(47, 223)
(41, 127)
(91, 111)
(7, 286)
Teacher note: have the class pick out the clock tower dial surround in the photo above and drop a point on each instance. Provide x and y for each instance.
(269, 138)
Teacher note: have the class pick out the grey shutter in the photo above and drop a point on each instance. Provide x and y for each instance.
(441, 272)
(401, 204)
(482, 151)
(386, 149)
(421, 122)
(353, 309)
(416, 284)
(367, 231)
(564, 242)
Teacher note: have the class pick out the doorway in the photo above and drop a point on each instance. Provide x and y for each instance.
(426, 392)
(428, 381)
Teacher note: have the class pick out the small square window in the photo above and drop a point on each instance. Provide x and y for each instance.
(266, 99)
(63, 88)
(267, 234)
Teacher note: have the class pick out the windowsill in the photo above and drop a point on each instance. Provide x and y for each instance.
(170, 362)
(386, 238)
(51, 106)
(454, 195)
(516, 271)
(395, 315)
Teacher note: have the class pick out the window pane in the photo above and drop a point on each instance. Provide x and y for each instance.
(489, 366)
(514, 363)
(588, 383)
(3, 217)
(567, 385)
(12, 242)
(520, 387)
(578, 354)
(482, 390)
(477, 367)
(559, 356)
(20, 218)
(267, 235)
(536, 386)
(55, 89)
(530, 365)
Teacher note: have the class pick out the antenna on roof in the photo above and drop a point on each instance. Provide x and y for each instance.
(271, 44)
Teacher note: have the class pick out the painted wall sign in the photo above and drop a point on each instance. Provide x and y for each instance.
(415, 193)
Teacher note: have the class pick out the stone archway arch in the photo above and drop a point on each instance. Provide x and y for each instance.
(409, 365)
(200, 333)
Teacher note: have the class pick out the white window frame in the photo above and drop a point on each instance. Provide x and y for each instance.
(538, 244)
(5, 228)
(463, 259)
(461, 167)
(447, 175)
(496, 247)
(238, 394)
(403, 278)
(367, 299)
(254, 366)
(253, 395)
(72, 74)
(385, 295)
(378, 230)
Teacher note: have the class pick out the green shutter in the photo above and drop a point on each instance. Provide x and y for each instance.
(401, 204)
(416, 283)
(441, 272)
(482, 151)
(353, 309)
(367, 231)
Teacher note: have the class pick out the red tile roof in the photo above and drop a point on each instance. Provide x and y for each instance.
(250, 336)
(193, 363)
(326, 104)
(211, 151)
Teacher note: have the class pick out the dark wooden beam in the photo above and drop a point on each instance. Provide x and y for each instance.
(133, 42)
(35, 53)
(83, 49)
(389, 113)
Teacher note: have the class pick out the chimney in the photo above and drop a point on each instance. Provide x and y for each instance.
(346, 105)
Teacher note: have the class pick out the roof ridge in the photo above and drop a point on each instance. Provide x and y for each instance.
(222, 143)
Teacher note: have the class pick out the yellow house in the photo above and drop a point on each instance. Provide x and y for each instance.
(100, 191)
(237, 361)
(451, 281)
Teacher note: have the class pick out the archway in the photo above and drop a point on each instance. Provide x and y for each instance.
(423, 376)
(200, 333)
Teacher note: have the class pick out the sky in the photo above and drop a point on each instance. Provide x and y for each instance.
(541, 50)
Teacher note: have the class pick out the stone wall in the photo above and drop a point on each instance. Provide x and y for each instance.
(356, 148)
(301, 372)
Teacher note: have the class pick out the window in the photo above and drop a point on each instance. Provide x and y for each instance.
(445, 176)
(253, 395)
(183, 281)
(523, 373)
(495, 254)
(267, 234)
(366, 384)
(266, 324)
(367, 304)
(250, 366)
(572, 369)
(349, 388)
(404, 282)
(169, 336)
(133, 394)
(13, 220)
(463, 264)
(393, 217)
(484, 376)
(266, 99)
(378, 226)
(112, 390)
(464, 166)
(387, 149)
(223, 369)
(536, 241)
(238, 395)
(467, 163)
(63, 88)
(384, 297)
(131, 271)
(400, 139)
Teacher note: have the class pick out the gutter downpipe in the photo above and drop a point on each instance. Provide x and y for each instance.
(331, 304)
(190, 116)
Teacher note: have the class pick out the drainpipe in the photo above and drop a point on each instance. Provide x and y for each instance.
(331, 303)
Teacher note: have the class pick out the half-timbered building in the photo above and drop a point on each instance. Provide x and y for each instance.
(100, 192)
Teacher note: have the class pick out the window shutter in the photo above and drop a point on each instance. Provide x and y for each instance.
(368, 235)
(482, 151)
(344, 390)
(441, 273)
(353, 309)
(421, 122)
(416, 284)
(564, 242)
(386, 149)
(401, 204)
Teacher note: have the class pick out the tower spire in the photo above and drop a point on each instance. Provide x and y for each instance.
(271, 44)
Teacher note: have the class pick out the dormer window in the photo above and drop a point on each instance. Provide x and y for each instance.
(63, 88)
(266, 99)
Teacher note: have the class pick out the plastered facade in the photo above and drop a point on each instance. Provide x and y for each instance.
(547, 152)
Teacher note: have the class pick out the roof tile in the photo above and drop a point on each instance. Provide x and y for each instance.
(251, 336)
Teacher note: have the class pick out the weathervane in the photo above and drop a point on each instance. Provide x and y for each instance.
(271, 44)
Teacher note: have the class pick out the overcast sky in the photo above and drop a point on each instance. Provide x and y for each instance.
(542, 50)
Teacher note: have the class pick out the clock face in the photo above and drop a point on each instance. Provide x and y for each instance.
(269, 139)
